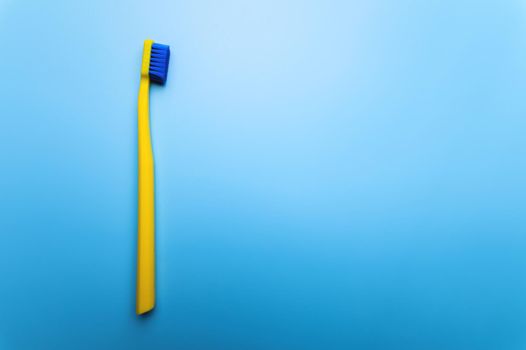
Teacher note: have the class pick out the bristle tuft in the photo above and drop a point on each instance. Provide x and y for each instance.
(159, 58)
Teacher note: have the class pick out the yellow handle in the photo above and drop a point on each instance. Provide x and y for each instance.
(146, 213)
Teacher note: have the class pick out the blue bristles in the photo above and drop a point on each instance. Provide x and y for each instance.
(159, 58)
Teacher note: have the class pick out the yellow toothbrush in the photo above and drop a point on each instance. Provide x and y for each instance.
(154, 68)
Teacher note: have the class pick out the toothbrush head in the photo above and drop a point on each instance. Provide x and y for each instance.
(155, 61)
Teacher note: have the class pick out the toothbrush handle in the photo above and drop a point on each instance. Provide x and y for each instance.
(146, 213)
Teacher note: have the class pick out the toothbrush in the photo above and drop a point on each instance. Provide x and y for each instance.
(154, 68)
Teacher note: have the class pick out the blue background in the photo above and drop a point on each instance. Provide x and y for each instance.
(330, 175)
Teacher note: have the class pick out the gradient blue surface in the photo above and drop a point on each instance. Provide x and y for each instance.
(330, 175)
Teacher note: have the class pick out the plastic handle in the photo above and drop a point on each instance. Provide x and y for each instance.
(146, 211)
